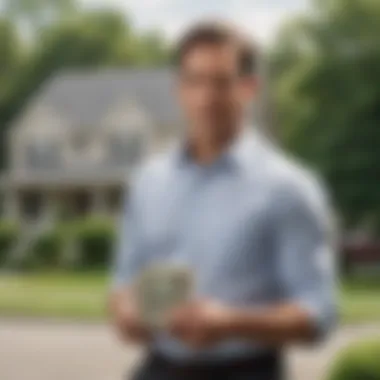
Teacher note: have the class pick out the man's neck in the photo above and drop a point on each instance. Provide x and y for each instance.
(206, 150)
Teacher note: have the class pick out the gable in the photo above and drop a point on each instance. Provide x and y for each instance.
(89, 97)
(38, 121)
(127, 114)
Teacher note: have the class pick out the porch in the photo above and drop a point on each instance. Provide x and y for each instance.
(36, 204)
(30, 198)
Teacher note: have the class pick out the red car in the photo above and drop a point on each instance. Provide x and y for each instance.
(359, 253)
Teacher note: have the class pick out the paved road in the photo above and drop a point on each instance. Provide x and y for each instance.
(31, 350)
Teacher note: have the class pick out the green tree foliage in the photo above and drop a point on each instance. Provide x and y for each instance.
(358, 361)
(9, 57)
(325, 72)
(10, 61)
(85, 40)
(34, 14)
(9, 47)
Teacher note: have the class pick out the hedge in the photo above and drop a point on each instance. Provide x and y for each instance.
(85, 244)
(94, 241)
(47, 250)
(8, 237)
(361, 361)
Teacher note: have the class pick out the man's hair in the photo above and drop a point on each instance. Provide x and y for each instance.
(217, 33)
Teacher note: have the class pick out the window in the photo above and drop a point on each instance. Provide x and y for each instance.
(81, 141)
(114, 199)
(42, 155)
(31, 205)
(126, 149)
(82, 203)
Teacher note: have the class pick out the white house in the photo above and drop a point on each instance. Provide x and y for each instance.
(75, 144)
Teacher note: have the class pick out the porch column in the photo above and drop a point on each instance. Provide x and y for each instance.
(50, 206)
(11, 205)
(99, 204)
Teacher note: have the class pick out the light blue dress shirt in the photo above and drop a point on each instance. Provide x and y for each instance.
(253, 226)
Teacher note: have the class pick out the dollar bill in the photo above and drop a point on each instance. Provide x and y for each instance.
(161, 288)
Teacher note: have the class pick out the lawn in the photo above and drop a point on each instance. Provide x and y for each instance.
(360, 300)
(54, 295)
(82, 296)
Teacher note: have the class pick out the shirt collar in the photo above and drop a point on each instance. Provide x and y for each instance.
(247, 144)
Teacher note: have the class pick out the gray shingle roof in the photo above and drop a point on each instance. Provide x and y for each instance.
(84, 98)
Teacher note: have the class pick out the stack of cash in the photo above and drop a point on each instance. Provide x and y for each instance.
(159, 289)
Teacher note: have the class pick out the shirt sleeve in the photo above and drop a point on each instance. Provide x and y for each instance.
(305, 248)
(128, 258)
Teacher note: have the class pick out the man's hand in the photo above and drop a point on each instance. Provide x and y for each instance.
(200, 324)
(206, 323)
(127, 319)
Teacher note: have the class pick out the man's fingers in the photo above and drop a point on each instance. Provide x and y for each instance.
(130, 329)
(177, 318)
(137, 336)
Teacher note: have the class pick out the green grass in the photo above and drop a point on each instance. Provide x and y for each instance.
(83, 296)
(360, 300)
(54, 295)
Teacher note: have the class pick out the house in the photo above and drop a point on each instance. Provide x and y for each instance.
(73, 148)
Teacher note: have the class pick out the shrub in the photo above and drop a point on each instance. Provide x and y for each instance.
(47, 249)
(8, 237)
(94, 243)
(75, 245)
(360, 361)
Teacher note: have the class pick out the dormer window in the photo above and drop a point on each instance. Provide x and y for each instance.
(125, 148)
(83, 148)
(80, 142)
(42, 155)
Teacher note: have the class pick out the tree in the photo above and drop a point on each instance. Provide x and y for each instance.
(10, 60)
(34, 14)
(325, 73)
(86, 40)
(9, 46)
(151, 49)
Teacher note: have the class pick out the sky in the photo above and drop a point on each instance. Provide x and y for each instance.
(259, 18)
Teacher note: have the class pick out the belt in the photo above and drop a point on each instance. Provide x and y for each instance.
(264, 363)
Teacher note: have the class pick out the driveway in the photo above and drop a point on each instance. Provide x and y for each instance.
(38, 350)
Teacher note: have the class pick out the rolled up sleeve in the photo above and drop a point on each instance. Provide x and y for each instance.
(305, 248)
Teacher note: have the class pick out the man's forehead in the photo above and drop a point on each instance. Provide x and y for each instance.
(212, 56)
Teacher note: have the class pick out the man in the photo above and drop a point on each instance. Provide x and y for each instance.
(250, 224)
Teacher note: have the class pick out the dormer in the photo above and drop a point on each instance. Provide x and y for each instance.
(36, 140)
(127, 133)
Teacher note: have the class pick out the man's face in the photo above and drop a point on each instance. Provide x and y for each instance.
(212, 92)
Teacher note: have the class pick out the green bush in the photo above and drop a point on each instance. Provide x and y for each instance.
(94, 243)
(8, 237)
(47, 249)
(82, 245)
(360, 361)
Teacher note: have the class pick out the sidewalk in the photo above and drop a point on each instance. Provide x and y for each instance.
(37, 350)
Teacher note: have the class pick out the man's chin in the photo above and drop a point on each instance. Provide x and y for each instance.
(212, 124)
(213, 129)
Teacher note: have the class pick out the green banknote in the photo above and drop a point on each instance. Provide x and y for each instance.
(161, 288)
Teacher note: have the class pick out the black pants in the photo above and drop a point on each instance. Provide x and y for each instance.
(264, 367)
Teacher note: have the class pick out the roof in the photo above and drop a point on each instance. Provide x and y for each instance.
(84, 98)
